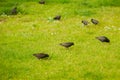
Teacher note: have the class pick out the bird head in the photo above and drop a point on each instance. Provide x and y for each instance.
(15, 7)
(92, 19)
(72, 43)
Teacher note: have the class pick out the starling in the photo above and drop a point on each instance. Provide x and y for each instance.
(103, 39)
(67, 44)
(41, 2)
(41, 55)
(14, 11)
(85, 22)
(58, 17)
(94, 21)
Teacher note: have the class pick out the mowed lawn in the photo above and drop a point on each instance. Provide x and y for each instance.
(33, 30)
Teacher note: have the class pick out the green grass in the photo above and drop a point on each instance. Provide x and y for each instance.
(33, 31)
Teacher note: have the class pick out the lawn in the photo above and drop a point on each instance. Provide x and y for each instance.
(33, 30)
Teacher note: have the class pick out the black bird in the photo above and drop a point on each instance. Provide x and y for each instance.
(41, 55)
(41, 2)
(67, 44)
(94, 21)
(85, 22)
(103, 39)
(58, 17)
(14, 11)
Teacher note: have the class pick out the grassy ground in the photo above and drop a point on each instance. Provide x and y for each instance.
(33, 31)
